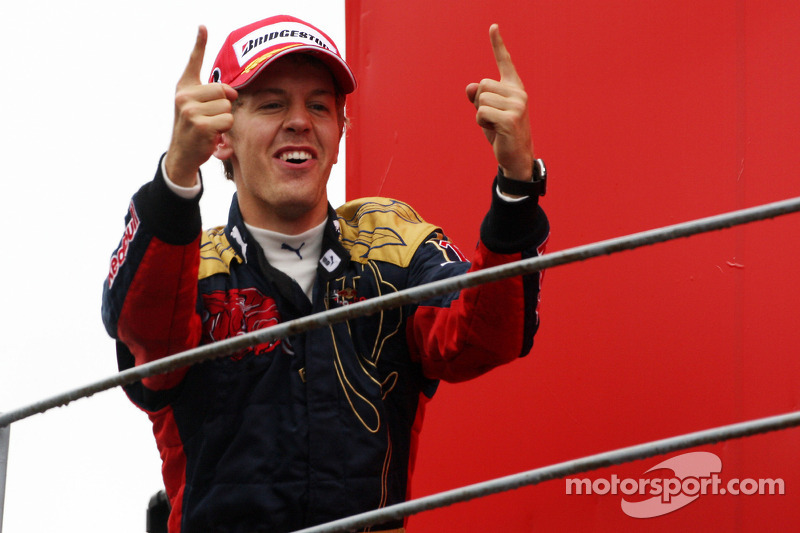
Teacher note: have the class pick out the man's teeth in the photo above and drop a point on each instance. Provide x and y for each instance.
(295, 156)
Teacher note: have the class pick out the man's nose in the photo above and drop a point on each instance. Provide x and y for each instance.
(298, 119)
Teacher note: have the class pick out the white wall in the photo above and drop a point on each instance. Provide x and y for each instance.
(86, 112)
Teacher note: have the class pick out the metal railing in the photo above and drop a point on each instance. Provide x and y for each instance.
(417, 294)
(5, 433)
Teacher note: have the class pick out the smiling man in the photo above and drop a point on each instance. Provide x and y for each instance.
(284, 141)
(321, 425)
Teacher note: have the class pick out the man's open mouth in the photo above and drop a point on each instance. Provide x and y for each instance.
(295, 156)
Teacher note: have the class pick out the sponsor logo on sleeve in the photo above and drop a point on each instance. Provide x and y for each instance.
(118, 259)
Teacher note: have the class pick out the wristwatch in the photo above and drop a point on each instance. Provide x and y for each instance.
(536, 187)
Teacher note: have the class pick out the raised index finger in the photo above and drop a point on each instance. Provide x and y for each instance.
(191, 75)
(502, 57)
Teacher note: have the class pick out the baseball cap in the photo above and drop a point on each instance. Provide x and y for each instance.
(248, 50)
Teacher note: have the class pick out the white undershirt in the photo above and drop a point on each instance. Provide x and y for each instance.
(294, 255)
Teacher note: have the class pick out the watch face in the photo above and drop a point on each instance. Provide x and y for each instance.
(540, 175)
(539, 170)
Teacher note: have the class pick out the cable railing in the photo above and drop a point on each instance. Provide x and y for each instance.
(420, 293)
(407, 296)
(558, 471)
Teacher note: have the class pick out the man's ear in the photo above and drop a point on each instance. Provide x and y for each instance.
(223, 149)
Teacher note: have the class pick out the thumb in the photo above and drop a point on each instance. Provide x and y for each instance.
(472, 92)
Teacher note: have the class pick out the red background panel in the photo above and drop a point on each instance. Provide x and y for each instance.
(647, 114)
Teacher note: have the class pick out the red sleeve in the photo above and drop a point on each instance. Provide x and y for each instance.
(150, 294)
(480, 328)
(159, 315)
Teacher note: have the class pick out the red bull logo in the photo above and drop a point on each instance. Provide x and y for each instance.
(118, 259)
(236, 312)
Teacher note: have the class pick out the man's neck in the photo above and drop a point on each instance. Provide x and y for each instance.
(287, 225)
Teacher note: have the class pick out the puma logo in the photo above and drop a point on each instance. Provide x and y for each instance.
(285, 246)
(238, 236)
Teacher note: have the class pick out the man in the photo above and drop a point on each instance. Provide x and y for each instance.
(322, 425)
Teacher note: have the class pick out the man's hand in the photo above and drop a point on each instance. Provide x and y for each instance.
(202, 113)
(503, 113)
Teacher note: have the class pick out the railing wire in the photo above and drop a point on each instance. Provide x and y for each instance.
(4, 438)
(560, 470)
(407, 296)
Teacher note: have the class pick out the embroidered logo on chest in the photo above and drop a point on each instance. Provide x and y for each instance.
(236, 312)
(345, 296)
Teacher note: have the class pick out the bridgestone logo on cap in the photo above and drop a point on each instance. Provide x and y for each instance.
(284, 32)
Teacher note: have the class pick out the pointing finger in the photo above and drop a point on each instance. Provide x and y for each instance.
(503, 59)
(191, 76)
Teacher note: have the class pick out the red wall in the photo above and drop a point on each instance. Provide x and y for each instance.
(647, 114)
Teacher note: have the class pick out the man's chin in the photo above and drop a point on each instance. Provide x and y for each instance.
(299, 207)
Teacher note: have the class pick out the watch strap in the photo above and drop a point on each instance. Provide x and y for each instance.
(536, 187)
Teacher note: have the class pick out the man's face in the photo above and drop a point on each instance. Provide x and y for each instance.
(284, 141)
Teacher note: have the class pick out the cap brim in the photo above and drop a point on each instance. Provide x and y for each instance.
(340, 70)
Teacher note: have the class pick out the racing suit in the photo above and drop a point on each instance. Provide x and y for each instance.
(311, 427)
